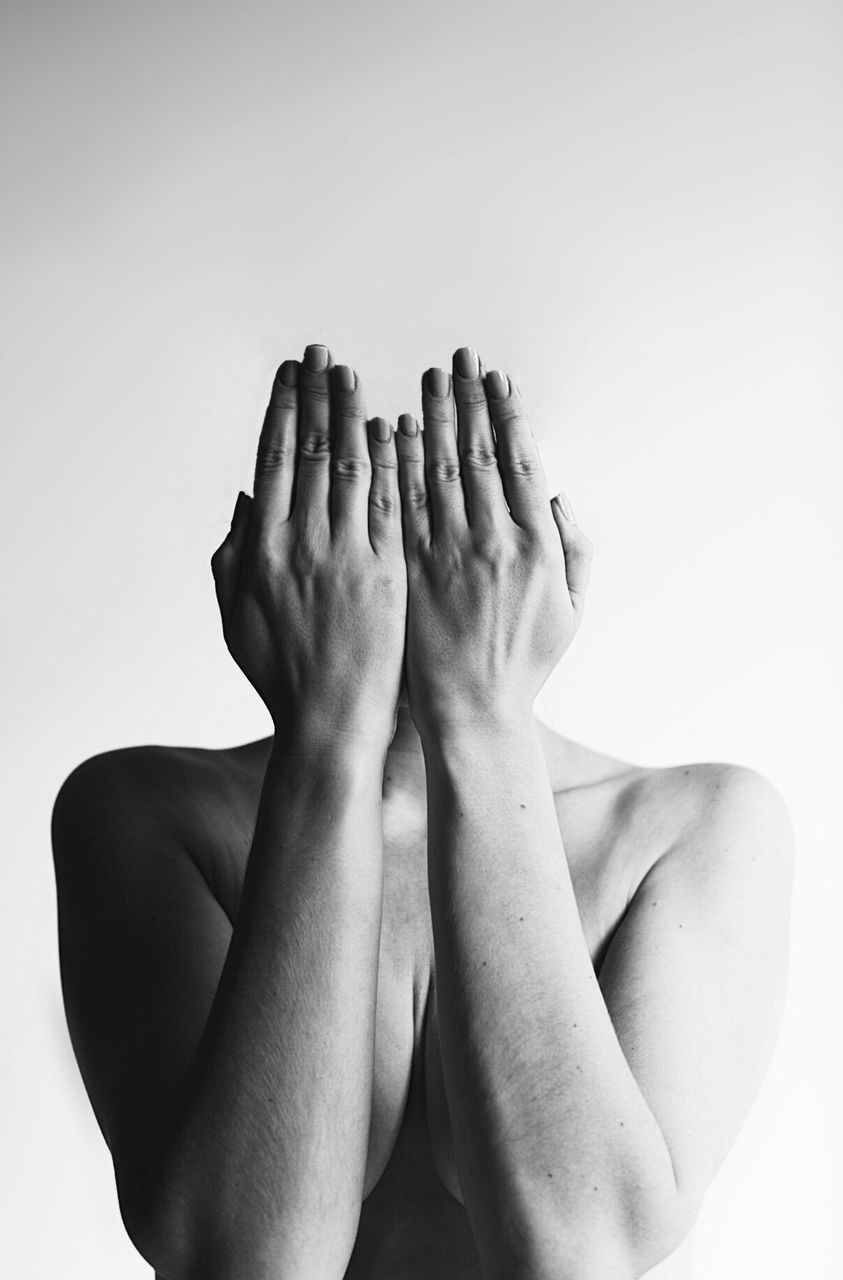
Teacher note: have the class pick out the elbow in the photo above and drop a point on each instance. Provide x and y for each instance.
(162, 1238)
(215, 1237)
(175, 1236)
(622, 1241)
(181, 1247)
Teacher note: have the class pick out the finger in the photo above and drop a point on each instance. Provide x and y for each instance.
(522, 474)
(312, 488)
(441, 460)
(350, 467)
(275, 466)
(481, 479)
(578, 549)
(412, 485)
(226, 560)
(384, 502)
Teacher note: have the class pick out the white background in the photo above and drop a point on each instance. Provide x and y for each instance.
(632, 207)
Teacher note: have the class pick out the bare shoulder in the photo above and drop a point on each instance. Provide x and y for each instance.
(701, 814)
(721, 813)
(191, 792)
(143, 933)
(696, 972)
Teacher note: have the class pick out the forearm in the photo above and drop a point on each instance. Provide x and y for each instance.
(556, 1148)
(264, 1164)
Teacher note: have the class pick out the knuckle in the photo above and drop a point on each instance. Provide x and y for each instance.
(315, 446)
(537, 546)
(416, 494)
(351, 409)
(492, 549)
(440, 413)
(444, 471)
(540, 553)
(450, 562)
(508, 413)
(274, 456)
(382, 500)
(479, 457)
(262, 565)
(349, 467)
(304, 556)
(522, 464)
(470, 395)
(222, 553)
(317, 384)
(388, 584)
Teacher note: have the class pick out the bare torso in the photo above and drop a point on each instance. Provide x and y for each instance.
(615, 820)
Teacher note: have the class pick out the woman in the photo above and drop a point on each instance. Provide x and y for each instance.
(415, 987)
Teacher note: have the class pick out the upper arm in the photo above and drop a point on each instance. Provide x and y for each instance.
(142, 943)
(694, 979)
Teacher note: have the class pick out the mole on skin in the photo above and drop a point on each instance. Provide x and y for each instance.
(391, 1173)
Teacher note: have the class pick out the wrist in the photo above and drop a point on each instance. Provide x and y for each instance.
(318, 740)
(494, 721)
(348, 720)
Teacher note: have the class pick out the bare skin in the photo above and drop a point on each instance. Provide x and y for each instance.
(422, 989)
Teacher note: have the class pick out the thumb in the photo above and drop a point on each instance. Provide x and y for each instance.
(225, 562)
(577, 547)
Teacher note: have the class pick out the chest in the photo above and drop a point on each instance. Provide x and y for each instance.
(413, 1223)
(408, 1066)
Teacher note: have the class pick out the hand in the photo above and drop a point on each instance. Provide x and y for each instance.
(496, 572)
(311, 580)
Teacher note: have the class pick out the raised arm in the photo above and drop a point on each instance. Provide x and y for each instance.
(586, 1121)
(231, 1071)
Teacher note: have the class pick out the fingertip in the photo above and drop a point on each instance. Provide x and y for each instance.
(436, 383)
(241, 507)
(563, 504)
(240, 520)
(407, 425)
(558, 518)
(497, 385)
(287, 374)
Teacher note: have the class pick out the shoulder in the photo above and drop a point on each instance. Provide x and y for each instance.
(127, 777)
(145, 789)
(709, 810)
(719, 805)
(726, 835)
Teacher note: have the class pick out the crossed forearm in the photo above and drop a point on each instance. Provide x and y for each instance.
(262, 1173)
(553, 1140)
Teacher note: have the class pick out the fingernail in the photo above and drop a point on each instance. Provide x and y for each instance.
(288, 374)
(438, 382)
(497, 384)
(381, 430)
(316, 357)
(561, 500)
(407, 424)
(466, 363)
(345, 379)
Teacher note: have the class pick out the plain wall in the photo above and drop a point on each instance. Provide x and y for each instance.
(632, 207)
